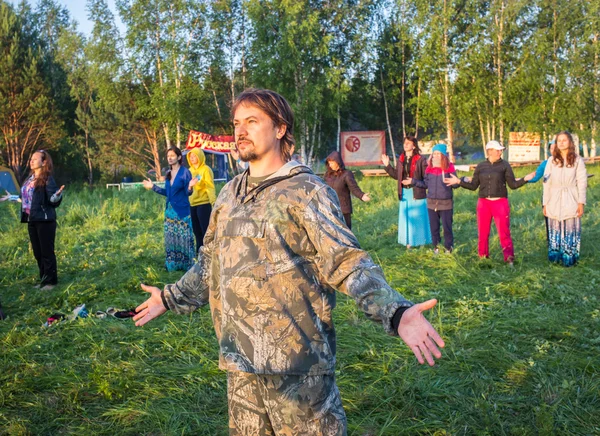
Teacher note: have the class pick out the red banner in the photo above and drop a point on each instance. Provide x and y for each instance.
(212, 143)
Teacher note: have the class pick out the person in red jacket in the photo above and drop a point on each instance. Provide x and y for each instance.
(343, 183)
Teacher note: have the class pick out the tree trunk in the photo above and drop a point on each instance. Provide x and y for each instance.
(243, 47)
(387, 117)
(449, 127)
(152, 140)
(446, 87)
(499, 38)
(402, 95)
(596, 92)
(555, 68)
(89, 159)
(339, 128)
(417, 111)
(583, 143)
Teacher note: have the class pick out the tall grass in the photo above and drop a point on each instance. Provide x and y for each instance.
(522, 344)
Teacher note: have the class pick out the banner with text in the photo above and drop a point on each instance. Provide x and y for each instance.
(362, 148)
(212, 143)
(523, 147)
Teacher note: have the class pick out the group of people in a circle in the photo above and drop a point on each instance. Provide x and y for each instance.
(425, 194)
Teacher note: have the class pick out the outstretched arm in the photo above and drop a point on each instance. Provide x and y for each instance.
(148, 184)
(539, 172)
(473, 183)
(189, 293)
(354, 188)
(344, 266)
(9, 197)
(54, 193)
(512, 182)
(388, 167)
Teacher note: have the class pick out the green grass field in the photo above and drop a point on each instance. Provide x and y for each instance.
(522, 354)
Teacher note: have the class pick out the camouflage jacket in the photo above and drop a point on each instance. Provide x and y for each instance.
(271, 261)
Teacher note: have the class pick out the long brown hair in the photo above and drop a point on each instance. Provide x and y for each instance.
(45, 172)
(179, 154)
(571, 155)
(277, 108)
(415, 143)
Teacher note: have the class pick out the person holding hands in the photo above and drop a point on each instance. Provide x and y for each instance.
(179, 237)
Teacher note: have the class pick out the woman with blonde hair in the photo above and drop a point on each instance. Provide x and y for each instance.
(203, 195)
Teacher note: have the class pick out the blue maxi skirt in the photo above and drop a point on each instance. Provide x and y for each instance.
(179, 241)
(564, 241)
(413, 220)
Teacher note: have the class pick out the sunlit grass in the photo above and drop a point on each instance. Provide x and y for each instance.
(522, 344)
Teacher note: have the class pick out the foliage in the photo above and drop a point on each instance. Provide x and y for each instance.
(111, 102)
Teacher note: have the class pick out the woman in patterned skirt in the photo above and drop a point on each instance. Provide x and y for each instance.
(179, 237)
(565, 185)
(413, 219)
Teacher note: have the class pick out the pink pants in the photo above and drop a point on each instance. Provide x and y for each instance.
(499, 210)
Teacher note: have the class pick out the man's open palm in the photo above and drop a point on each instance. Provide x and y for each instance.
(419, 334)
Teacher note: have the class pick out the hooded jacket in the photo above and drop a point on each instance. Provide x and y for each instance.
(343, 183)
(203, 191)
(271, 259)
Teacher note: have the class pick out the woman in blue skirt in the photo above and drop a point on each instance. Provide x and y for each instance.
(413, 221)
(179, 236)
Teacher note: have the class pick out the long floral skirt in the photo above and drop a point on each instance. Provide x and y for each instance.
(413, 220)
(179, 241)
(564, 241)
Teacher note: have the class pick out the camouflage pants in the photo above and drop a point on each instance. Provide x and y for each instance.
(284, 405)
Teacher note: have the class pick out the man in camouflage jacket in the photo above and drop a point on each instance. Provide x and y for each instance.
(275, 252)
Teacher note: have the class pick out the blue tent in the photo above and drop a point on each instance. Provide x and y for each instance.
(8, 181)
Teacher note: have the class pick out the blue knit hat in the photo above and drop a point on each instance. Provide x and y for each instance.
(441, 148)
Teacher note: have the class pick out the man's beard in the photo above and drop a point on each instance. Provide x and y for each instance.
(247, 155)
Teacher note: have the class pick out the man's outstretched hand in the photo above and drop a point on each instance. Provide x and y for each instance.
(419, 334)
(152, 308)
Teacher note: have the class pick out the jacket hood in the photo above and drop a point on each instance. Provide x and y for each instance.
(291, 168)
(199, 154)
(438, 171)
(287, 171)
(337, 158)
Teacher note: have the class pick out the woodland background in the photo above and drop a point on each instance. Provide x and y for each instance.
(467, 71)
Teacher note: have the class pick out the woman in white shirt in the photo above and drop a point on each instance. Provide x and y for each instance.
(565, 184)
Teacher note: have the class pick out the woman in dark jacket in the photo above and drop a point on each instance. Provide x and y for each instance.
(491, 177)
(39, 198)
(343, 183)
(440, 203)
(413, 228)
